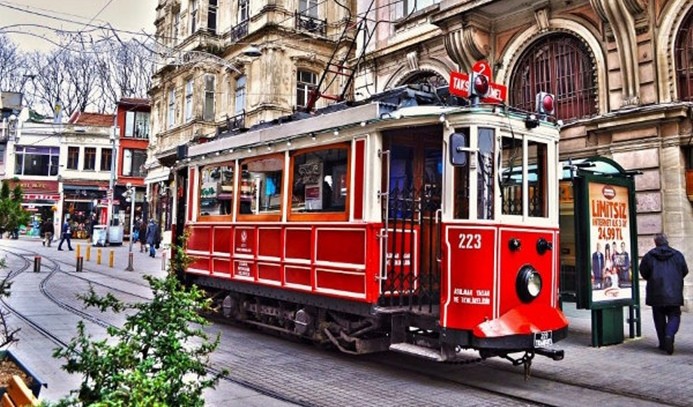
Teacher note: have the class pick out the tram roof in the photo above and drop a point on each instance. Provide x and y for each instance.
(410, 100)
(402, 102)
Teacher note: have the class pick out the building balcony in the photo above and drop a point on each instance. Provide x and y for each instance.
(311, 24)
(237, 32)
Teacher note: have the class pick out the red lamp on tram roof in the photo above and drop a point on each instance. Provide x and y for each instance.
(545, 103)
(478, 85)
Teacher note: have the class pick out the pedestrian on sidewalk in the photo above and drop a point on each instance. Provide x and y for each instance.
(152, 237)
(143, 236)
(664, 269)
(47, 230)
(66, 235)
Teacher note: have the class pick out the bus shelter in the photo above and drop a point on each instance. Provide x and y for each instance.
(599, 258)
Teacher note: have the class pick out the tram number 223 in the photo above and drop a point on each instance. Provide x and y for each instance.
(469, 241)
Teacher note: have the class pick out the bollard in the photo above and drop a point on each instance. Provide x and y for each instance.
(80, 264)
(98, 256)
(129, 267)
(78, 254)
(88, 253)
(163, 260)
(111, 258)
(37, 264)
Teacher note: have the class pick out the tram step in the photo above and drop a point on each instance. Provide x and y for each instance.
(415, 350)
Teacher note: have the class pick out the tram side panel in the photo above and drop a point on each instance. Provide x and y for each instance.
(334, 260)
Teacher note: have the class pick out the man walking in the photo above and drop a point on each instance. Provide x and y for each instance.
(664, 269)
(66, 235)
(152, 237)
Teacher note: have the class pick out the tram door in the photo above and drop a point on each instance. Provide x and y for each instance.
(413, 181)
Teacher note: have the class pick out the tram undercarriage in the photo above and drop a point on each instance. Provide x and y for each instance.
(357, 330)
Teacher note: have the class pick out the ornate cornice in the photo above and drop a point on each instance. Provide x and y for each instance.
(465, 46)
(621, 15)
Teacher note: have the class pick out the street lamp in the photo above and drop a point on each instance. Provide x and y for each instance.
(129, 195)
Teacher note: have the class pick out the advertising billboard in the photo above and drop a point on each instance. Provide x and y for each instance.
(610, 240)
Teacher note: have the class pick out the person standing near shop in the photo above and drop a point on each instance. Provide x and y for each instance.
(664, 269)
(66, 234)
(143, 235)
(48, 231)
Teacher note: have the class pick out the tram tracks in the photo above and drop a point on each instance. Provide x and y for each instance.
(496, 377)
(54, 268)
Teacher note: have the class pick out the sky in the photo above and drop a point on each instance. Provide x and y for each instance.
(40, 19)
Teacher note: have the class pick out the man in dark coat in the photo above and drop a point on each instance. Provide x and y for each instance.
(664, 269)
(152, 237)
(66, 235)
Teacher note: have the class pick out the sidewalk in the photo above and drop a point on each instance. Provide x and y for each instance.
(635, 366)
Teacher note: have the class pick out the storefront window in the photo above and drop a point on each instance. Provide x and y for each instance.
(261, 186)
(36, 160)
(216, 190)
(320, 181)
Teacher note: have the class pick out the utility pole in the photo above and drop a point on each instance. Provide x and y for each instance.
(130, 195)
(111, 183)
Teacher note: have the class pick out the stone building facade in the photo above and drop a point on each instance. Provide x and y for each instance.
(208, 84)
(622, 72)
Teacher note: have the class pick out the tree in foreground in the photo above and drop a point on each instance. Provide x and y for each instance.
(160, 357)
(12, 214)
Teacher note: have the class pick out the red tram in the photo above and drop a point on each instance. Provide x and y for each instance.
(388, 225)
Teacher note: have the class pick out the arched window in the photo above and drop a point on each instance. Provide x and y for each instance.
(684, 59)
(558, 64)
(427, 78)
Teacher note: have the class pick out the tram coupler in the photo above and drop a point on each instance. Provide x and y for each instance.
(37, 264)
(555, 354)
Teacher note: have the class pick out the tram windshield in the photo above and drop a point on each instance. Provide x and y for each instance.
(518, 174)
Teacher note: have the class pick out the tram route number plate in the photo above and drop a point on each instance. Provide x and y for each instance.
(543, 339)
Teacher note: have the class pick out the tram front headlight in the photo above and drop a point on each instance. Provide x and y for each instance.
(528, 283)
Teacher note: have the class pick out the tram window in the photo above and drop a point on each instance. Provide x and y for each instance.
(460, 160)
(401, 168)
(485, 171)
(261, 186)
(511, 176)
(216, 190)
(459, 153)
(320, 181)
(537, 179)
